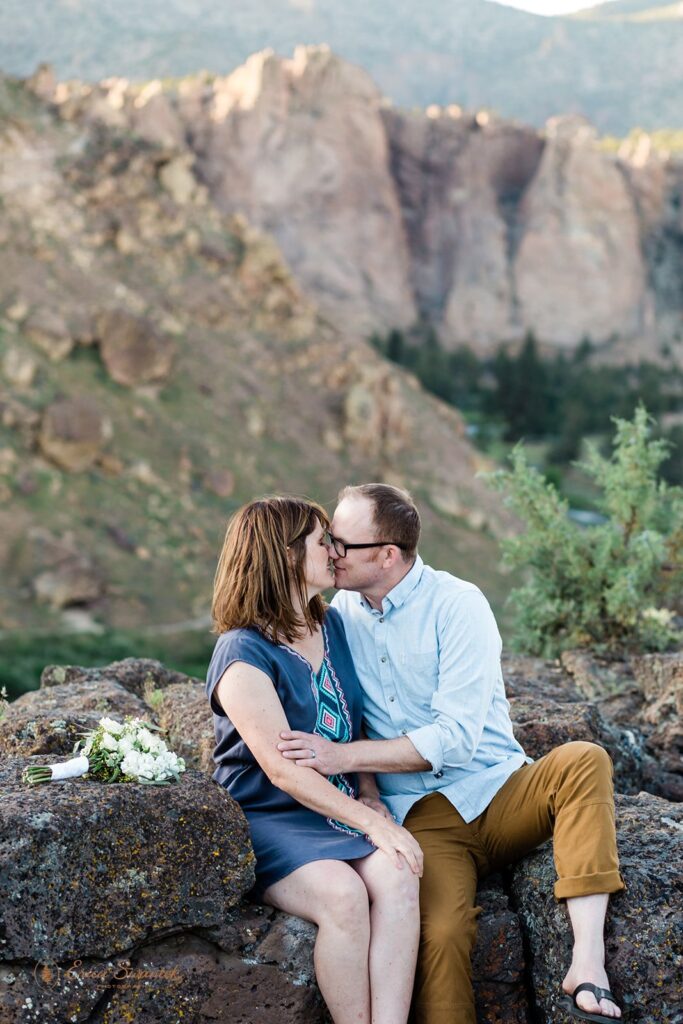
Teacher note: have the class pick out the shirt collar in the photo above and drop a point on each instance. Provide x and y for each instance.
(403, 588)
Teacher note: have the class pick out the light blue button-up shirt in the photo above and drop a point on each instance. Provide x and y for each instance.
(429, 665)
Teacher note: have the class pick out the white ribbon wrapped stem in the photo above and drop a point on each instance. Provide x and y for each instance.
(72, 769)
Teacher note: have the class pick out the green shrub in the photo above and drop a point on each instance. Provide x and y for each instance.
(601, 586)
(23, 656)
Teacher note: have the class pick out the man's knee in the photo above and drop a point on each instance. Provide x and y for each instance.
(584, 754)
(585, 771)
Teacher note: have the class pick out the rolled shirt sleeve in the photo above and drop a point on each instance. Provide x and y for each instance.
(469, 668)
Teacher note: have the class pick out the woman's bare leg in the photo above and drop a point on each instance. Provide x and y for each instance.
(333, 896)
(394, 935)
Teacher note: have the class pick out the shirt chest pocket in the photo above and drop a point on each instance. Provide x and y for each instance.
(420, 668)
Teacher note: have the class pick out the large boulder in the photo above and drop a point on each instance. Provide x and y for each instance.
(175, 702)
(188, 975)
(19, 367)
(526, 676)
(177, 178)
(94, 870)
(644, 934)
(660, 678)
(73, 432)
(262, 971)
(132, 349)
(596, 678)
(49, 331)
(74, 581)
(55, 994)
(547, 709)
(184, 714)
(137, 675)
(498, 970)
(266, 282)
(642, 697)
(50, 721)
(375, 417)
(541, 724)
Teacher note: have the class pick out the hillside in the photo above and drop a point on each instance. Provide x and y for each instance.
(158, 366)
(618, 64)
(487, 229)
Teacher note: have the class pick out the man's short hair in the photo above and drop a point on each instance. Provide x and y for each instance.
(395, 515)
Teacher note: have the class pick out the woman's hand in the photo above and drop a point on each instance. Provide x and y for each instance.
(311, 751)
(397, 843)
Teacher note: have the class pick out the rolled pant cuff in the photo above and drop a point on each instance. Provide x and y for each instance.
(588, 885)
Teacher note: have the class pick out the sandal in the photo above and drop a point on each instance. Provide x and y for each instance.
(569, 1003)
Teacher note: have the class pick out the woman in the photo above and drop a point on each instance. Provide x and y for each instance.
(326, 848)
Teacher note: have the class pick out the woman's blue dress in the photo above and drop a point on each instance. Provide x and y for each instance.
(285, 834)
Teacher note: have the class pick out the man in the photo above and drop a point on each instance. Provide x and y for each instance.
(427, 652)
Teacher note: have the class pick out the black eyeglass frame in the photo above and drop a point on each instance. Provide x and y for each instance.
(336, 543)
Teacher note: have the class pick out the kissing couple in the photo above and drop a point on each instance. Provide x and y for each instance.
(370, 746)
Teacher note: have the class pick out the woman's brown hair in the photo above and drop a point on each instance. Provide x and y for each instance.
(256, 573)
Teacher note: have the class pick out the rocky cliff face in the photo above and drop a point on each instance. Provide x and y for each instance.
(125, 903)
(160, 363)
(485, 227)
(618, 63)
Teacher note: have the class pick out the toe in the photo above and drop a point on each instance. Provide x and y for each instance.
(587, 1001)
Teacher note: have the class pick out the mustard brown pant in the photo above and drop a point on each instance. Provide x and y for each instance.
(567, 794)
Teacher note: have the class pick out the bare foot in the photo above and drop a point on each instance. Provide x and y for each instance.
(596, 975)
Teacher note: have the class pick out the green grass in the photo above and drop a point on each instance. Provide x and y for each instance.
(23, 656)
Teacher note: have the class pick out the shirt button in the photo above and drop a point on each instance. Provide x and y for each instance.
(383, 658)
(392, 699)
(404, 732)
(382, 619)
(438, 775)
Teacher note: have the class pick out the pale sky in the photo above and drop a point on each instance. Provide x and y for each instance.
(550, 6)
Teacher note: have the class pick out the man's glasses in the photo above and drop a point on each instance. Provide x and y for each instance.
(341, 548)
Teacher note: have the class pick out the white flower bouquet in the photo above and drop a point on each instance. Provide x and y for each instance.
(115, 752)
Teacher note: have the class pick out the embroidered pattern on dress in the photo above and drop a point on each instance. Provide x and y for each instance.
(333, 724)
(338, 686)
(333, 719)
